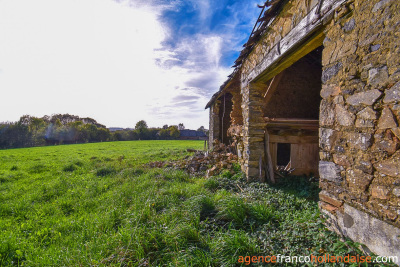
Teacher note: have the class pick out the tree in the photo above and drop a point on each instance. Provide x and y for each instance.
(201, 129)
(181, 126)
(141, 125)
(142, 129)
(174, 132)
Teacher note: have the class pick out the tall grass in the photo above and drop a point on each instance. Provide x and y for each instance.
(96, 205)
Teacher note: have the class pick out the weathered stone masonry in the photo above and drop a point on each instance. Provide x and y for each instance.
(359, 111)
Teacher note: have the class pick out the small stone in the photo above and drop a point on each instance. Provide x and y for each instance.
(326, 197)
(344, 117)
(326, 138)
(387, 119)
(339, 149)
(366, 98)
(328, 73)
(328, 207)
(374, 48)
(391, 214)
(360, 123)
(380, 4)
(329, 90)
(365, 166)
(358, 180)
(349, 26)
(327, 114)
(329, 171)
(390, 166)
(367, 114)
(387, 145)
(360, 140)
(396, 132)
(378, 77)
(380, 192)
(393, 94)
(396, 191)
(341, 160)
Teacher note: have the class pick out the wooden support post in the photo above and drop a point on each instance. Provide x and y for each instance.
(268, 163)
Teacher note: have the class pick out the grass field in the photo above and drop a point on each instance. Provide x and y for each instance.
(97, 205)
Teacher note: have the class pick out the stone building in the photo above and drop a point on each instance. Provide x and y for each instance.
(317, 88)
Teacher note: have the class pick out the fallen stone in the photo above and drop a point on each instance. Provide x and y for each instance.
(387, 119)
(365, 98)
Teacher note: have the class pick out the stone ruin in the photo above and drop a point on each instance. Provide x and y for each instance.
(210, 163)
(317, 89)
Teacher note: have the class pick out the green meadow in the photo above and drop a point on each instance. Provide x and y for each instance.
(98, 205)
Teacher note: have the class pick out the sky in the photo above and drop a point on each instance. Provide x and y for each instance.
(119, 61)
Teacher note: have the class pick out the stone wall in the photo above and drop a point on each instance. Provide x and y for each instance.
(215, 124)
(360, 115)
(359, 112)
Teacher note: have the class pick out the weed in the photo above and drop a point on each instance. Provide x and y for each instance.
(105, 171)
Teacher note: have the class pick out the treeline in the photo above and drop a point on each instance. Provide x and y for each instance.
(57, 129)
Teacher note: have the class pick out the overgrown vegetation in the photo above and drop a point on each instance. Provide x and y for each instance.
(95, 205)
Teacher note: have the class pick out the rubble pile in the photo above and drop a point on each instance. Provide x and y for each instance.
(211, 163)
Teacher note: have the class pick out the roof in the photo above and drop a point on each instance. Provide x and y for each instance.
(270, 10)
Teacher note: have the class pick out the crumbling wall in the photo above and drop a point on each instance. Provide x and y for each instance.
(269, 47)
(215, 123)
(359, 124)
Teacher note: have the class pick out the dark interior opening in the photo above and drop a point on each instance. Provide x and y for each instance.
(283, 154)
(225, 119)
(295, 92)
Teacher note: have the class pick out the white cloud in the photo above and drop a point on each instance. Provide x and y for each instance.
(106, 59)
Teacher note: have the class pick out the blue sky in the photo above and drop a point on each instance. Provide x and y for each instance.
(119, 61)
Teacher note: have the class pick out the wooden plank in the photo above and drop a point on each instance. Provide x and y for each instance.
(293, 139)
(272, 87)
(292, 120)
(304, 158)
(273, 148)
(294, 45)
(269, 165)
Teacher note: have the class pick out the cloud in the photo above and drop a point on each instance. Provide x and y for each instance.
(118, 61)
